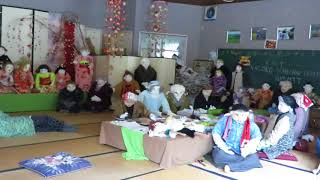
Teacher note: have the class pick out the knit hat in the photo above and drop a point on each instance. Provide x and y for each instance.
(152, 84)
(127, 73)
(289, 100)
(239, 107)
(207, 87)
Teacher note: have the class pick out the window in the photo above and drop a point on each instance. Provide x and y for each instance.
(163, 46)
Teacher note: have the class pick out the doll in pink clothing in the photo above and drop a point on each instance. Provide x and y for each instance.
(62, 77)
(84, 70)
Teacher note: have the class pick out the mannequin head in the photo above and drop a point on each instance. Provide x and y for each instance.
(308, 88)
(287, 104)
(238, 68)
(207, 91)
(43, 68)
(154, 88)
(71, 86)
(3, 50)
(178, 91)
(128, 76)
(100, 82)
(8, 68)
(61, 70)
(285, 86)
(24, 64)
(84, 52)
(129, 99)
(219, 63)
(265, 86)
(239, 113)
(219, 73)
(145, 62)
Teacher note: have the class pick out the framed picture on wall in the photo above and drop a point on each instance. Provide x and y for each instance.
(285, 33)
(270, 44)
(258, 33)
(314, 31)
(210, 13)
(233, 37)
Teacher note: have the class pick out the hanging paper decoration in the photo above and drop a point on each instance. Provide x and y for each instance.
(158, 15)
(69, 51)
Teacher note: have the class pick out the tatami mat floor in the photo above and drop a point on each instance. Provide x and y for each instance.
(108, 163)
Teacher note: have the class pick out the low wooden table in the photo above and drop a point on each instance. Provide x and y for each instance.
(166, 152)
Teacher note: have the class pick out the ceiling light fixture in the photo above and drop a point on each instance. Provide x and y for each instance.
(228, 1)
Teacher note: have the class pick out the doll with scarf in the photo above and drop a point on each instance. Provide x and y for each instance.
(177, 98)
(236, 137)
(308, 90)
(62, 77)
(128, 84)
(4, 59)
(69, 98)
(205, 99)
(219, 65)
(286, 89)
(99, 96)
(219, 83)
(45, 79)
(23, 78)
(131, 107)
(263, 97)
(281, 138)
(6, 79)
(84, 70)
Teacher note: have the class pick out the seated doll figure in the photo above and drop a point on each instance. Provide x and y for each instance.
(131, 107)
(145, 73)
(285, 90)
(83, 65)
(6, 79)
(263, 97)
(237, 79)
(128, 84)
(70, 98)
(99, 97)
(23, 78)
(219, 83)
(205, 99)
(12, 126)
(308, 88)
(236, 137)
(154, 99)
(177, 99)
(45, 79)
(281, 138)
(62, 77)
(4, 59)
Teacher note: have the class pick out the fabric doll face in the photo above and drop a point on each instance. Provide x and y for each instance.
(239, 115)
(219, 64)
(71, 87)
(218, 73)
(283, 107)
(85, 52)
(265, 86)
(155, 91)
(62, 72)
(26, 68)
(44, 70)
(2, 51)
(9, 68)
(101, 82)
(127, 78)
(145, 62)
(178, 91)
(308, 88)
(238, 68)
(206, 93)
(285, 86)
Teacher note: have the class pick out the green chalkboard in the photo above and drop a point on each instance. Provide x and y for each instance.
(272, 66)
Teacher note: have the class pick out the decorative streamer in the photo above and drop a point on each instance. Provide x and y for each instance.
(69, 51)
(158, 13)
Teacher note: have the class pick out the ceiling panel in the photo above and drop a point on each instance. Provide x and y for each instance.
(206, 2)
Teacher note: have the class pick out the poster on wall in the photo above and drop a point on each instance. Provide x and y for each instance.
(314, 31)
(16, 30)
(258, 33)
(285, 33)
(270, 44)
(233, 37)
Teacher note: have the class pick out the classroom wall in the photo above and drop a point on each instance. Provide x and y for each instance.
(267, 13)
(183, 19)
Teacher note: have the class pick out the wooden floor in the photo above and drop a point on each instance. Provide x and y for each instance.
(108, 163)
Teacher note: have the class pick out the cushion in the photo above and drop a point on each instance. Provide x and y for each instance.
(57, 164)
(285, 156)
